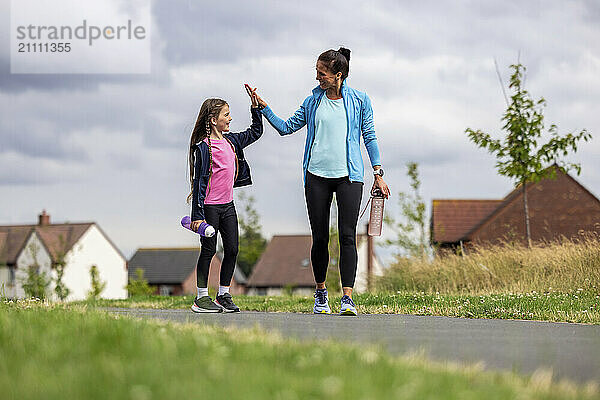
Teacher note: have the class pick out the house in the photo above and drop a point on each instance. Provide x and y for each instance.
(558, 207)
(285, 263)
(80, 245)
(172, 271)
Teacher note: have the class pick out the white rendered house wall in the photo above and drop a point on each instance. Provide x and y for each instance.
(94, 249)
(33, 251)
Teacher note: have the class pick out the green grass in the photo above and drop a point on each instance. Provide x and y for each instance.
(72, 352)
(564, 266)
(579, 306)
(557, 281)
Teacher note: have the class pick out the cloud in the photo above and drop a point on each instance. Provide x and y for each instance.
(113, 148)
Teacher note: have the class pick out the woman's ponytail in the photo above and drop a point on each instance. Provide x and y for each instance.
(346, 53)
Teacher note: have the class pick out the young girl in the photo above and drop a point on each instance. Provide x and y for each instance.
(217, 165)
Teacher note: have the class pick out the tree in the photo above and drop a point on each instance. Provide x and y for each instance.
(251, 241)
(61, 290)
(36, 283)
(520, 154)
(138, 286)
(410, 229)
(97, 284)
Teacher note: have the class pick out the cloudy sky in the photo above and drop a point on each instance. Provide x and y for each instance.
(112, 148)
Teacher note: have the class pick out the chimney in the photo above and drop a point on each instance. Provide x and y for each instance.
(43, 219)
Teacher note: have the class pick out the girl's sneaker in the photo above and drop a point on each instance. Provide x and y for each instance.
(348, 307)
(321, 302)
(226, 302)
(205, 305)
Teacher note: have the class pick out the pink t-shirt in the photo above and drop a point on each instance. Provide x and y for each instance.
(220, 185)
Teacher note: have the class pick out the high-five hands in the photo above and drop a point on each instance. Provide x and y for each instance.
(254, 97)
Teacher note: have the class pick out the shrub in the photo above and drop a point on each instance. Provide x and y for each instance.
(36, 283)
(97, 284)
(138, 286)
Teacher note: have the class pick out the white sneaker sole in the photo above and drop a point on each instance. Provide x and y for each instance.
(197, 309)
(323, 311)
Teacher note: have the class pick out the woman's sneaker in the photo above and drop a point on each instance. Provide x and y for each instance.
(348, 307)
(205, 305)
(321, 302)
(226, 302)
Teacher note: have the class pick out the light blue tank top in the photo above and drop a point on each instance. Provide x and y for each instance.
(328, 155)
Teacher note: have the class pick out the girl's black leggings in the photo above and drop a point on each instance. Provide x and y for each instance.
(319, 194)
(224, 219)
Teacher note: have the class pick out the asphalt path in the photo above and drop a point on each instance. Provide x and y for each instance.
(571, 351)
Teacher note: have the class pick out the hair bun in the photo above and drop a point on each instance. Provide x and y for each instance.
(345, 52)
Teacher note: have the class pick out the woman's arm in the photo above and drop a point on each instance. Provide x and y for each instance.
(370, 139)
(368, 132)
(294, 123)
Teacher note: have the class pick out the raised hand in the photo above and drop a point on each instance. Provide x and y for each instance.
(255, 97)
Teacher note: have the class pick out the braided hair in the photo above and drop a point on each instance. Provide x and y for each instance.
(209, 109)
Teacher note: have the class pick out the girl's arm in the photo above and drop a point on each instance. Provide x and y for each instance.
(198, 188)
(254, 132)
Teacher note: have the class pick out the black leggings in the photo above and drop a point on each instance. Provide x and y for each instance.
(224, 219)
(319, 194)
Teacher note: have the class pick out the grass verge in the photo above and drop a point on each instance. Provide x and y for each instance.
(559, 266)
(58, 352)
(579, 306)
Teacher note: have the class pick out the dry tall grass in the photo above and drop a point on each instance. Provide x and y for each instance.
(564, 266)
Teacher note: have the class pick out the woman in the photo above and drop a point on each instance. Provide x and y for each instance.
(335, 116)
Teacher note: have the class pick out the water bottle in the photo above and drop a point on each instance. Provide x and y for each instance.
(204, 229)
(376, 217)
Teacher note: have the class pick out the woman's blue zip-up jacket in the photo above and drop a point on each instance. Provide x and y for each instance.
(203, 169)
(359, 116)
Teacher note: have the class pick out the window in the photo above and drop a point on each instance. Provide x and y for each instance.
(165, 290)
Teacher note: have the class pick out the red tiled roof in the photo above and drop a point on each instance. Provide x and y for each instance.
(58, 238)
(285, 261)
(14, 240)
(451, 220)
(558, 205)
(3, 240)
